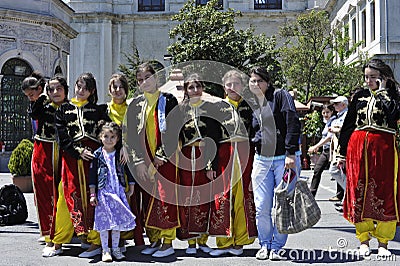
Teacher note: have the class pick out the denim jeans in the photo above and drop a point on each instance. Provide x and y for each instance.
(266, 175)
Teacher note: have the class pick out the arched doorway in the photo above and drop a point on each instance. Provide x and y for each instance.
(15, 123)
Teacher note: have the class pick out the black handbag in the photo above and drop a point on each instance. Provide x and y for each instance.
(297, 210)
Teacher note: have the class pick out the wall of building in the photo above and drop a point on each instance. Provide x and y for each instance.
(385, 43)
(36, 31)
(108, 28)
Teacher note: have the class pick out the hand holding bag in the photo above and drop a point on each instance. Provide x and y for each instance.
(295, 211)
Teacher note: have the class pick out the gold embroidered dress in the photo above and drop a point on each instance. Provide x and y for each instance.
(232, 216)
(146, 123)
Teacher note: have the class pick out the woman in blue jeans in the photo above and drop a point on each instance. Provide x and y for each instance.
(277, 128)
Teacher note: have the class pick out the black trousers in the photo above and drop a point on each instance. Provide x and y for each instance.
(319, 167)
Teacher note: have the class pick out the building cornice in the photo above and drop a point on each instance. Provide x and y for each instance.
(64, 6)
(29, 18)
(107, 16)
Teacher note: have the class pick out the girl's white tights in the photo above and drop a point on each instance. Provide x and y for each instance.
(114, 239)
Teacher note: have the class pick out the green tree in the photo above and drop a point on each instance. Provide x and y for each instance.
(206, 33)
(129, 70)
(313, 57)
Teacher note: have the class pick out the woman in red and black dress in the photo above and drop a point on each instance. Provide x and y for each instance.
(146, 124)
(233, 212)
(76, 123)
(368, 142)
(45, 158)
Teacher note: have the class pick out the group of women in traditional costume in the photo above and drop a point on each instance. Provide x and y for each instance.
(201, 168)
(208, 147)
(192, 164)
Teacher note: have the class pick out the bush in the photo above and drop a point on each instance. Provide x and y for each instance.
(313, 124)
(20, 159)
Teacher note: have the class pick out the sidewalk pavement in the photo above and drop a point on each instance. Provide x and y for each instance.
(332, 240)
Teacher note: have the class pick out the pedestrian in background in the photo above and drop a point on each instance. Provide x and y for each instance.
(340, 103)
(368, 144)
(325, 142)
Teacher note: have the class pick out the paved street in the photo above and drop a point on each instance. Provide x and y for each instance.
(331, 241)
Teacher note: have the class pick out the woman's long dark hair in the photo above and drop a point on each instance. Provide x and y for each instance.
(91, 86)
(384, 70)
(61, 79)
(124, 82)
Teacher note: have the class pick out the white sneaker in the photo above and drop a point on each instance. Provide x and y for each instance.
(90, 254)
(236, 252)
(262, 254)
(219, 252)
(151, 249)
(163, 253)
(383, 252)
(106, 256)
(191, 251)
(117, 254)
(275, 256)
(364, 250)
(47, 247)
(51, 252)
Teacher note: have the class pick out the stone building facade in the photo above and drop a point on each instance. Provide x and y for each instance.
(375, 23)
(34, 35)
(108, 28)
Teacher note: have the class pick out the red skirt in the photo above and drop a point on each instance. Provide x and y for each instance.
(162, 211)
(194, 195)
(372, 177)
(221, 216)
(45, 178)
(76, 190)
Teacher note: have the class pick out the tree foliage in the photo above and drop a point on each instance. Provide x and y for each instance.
(206, 33)
(129, 69)
(313, 57)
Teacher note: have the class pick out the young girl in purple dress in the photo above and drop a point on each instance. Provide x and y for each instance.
(112, 213)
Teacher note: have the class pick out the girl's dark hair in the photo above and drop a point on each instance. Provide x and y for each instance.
(144, 68)
(384, 70)
(91, 86)
(114, 127)
(194, 77)
(34, 81)
(121, 78)
(39, 76)
(63, 83)
(329, 107)
(261, 71)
